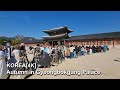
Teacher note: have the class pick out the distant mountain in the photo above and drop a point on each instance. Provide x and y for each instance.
(24, 39)
(2, 36)
(19, 37)
(29, 40)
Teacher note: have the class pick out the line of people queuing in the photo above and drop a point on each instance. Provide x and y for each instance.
(43, 53)
(73, 51)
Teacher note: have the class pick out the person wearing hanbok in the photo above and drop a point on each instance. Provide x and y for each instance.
(45, 49)
(3, 66)
(45, 60)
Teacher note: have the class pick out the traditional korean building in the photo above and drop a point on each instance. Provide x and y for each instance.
(57, 36)
(60, 36)
(112, 39)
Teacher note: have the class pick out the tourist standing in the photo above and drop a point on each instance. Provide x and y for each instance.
(8, 51)
(45, 49)
(3, 66)
(67, 54)
(71, 51)
(41, 47)
(30, 50)
(76, 51)
(23, 52)
(79, 49)
(93, 49)
(16, 53)
(82, 50)
(90, 50)
(104, 48)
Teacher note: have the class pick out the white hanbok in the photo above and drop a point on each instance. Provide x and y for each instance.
(3, 66)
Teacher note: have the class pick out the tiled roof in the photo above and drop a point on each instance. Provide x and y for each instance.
(58, 30)
(96, 36)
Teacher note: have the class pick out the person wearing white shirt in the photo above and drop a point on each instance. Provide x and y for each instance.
(90, 50)
(82, 50)
(16, 54)
(3, 66)
(71, 52)
(41, 47)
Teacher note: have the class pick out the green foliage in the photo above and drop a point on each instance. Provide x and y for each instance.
(1, 41)
(15, 41)
(4, 40)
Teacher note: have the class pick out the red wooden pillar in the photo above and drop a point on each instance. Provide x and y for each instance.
(90, 42)
(104, 42)
(84, 42)
(97, 41)
(52, 43)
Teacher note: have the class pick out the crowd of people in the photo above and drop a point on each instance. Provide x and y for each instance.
(43, 55)
(73, 51)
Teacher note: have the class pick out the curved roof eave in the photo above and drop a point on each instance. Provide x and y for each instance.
(57, 29)
(55, 36)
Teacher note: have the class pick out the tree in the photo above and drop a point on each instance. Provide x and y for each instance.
(15, 41)
(1, 41)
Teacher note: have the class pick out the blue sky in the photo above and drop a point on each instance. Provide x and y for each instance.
(32, 23)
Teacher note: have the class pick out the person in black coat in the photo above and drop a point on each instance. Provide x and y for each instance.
(23, 52)
(93, 49)
(77, 50)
